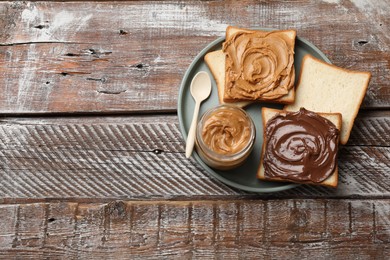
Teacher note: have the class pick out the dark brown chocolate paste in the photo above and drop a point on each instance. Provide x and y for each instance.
(301, 146)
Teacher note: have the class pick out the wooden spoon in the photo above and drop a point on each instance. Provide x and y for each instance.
(200, 90)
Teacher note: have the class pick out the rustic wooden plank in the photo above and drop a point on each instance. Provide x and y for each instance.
(9, 215)
(251, 229)
(339, 228)
(175, 231)
(72, 57)
(371, 129)
(381, 223)
(204, 229)
(142, 157)
(110, 226)
(144, 233)
(32, 226)
(60, 229)
(226, 225)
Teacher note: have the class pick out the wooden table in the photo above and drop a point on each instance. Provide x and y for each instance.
(92, 161)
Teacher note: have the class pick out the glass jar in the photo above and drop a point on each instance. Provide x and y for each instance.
(225, 137)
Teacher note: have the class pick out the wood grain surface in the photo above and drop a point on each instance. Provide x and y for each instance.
(142, 157)
(92, 161)
(74, 57)
(238, 229)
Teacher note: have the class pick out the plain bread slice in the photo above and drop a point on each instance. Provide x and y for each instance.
(216, 62)
(323, 87)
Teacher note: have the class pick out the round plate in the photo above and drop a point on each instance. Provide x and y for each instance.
(243, 177)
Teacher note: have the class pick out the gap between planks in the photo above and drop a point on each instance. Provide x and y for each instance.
(182, 200)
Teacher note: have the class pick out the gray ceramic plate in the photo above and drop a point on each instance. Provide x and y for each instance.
(243, 177)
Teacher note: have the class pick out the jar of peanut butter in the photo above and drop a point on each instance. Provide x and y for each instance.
(225, 136)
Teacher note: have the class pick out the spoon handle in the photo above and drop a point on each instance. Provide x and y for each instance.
(191, 133)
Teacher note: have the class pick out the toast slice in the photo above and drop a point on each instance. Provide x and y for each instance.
(216, 62)
(283, 87)
(323, 87)
(267, 114)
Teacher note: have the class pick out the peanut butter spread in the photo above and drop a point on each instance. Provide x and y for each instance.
(301, 146)
(259, 65)
(226, 131)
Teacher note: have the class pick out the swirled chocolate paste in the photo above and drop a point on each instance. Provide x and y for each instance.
(300, 146)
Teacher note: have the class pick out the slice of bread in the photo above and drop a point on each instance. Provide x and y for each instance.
(267, 114)
(289, 37)
(231, 30)
(323, 87)
(216, 62)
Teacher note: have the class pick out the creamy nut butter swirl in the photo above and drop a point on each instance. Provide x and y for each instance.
(259, 65)
(301, 146)
(225, 137)
(226, 131)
